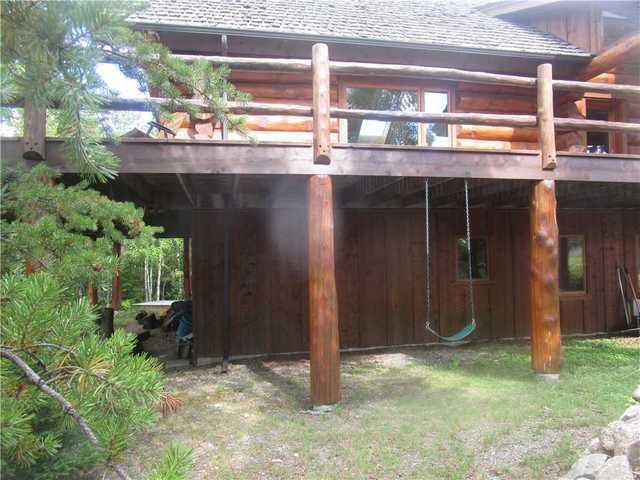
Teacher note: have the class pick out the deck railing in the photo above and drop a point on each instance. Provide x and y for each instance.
(321, 68)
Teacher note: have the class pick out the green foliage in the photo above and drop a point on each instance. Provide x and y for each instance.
(116, 392)
(67, 230)
(50, 53)
(150, 255)
(66, 234)
(175, 465)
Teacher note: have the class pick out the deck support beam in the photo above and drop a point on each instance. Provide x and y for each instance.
(324, 344)
(546, 346)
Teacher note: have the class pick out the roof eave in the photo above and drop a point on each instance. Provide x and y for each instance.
(497, 9)
(358, 41)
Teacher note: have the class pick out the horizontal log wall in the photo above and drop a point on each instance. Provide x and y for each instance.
(481, 98)
(265, 87)
(268, 87)
(380, 275)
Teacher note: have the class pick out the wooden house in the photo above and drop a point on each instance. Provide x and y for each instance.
(311, 235)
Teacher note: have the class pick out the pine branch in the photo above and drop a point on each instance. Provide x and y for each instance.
(64, 403)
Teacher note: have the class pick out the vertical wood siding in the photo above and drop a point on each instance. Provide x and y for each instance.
(380, 272)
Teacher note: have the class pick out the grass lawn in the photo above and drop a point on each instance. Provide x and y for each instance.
(475, 412)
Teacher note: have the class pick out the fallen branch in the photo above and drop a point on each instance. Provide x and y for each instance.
(66, 405)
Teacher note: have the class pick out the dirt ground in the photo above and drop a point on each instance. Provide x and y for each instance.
(431, 413)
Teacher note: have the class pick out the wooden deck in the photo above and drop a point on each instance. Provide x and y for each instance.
(148, 156)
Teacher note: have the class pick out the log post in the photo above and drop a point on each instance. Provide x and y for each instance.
(321, 104)
(116, 283)
(35, 130)
(546, 346)
(618, 141)
(546, 130)
(186, 267)
(324, 344)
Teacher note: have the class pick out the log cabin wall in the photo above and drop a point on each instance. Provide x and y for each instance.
(594, 27)
(264, 87)
(381, 275)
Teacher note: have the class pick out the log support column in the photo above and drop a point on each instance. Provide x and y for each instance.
(546, 345)
(324, 344)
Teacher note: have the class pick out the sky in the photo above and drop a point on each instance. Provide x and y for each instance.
(122, 87)
(117, 81)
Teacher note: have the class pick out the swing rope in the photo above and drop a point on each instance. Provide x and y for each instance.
(469, 328)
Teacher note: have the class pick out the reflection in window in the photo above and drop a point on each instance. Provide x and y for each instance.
(479, 262)
(572, 264)
(436, 134)
(376, 131)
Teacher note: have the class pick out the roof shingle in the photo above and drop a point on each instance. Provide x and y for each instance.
(437, 23)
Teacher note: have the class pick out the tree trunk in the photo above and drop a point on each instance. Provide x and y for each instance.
(147, 296)
(158, 277)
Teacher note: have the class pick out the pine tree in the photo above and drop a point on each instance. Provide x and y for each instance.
(50, 51)
(71, 399)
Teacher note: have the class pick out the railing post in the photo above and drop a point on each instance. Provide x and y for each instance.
(321, 104)
(35, 130)
(546, 129)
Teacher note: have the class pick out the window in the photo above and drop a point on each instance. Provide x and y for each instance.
(376, 131)
(572, 263)
(597, 142)
(436, 134)
(479, 262)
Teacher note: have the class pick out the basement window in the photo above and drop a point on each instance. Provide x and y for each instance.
(572, 264)
(381, 132)
(479, 259)
(436, 134)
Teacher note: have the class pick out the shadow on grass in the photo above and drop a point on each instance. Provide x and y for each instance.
(294, 393)
(363, 384)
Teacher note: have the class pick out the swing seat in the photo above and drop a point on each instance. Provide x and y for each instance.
(459, 336)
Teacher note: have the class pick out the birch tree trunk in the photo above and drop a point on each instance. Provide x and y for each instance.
(146, 279)
(159, 276)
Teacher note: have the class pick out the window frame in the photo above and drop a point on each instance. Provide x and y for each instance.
(585, 289)
(455, 259)
(420, 87)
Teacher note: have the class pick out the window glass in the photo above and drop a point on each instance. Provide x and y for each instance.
(436, 134)
(572, 264)
(597, 142)
(479, 262)
(376, 131)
